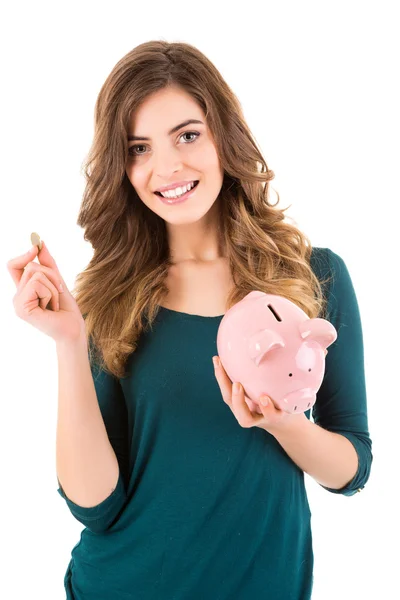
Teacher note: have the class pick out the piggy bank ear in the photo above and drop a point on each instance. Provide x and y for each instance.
(319, 330)
(263, 342)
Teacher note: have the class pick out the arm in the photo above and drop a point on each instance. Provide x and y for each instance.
(91, 440)
(328, 457)
(336, 448)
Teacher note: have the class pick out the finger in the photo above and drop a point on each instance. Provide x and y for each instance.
(42, 293)
(33, 268)
(17, 265)
(47, 260)
(225, 384)
(253, 406)
(268, 406)
(242, 412)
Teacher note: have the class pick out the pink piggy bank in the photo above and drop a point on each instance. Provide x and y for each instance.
(271, 346)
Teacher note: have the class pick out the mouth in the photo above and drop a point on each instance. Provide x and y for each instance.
(178, 198)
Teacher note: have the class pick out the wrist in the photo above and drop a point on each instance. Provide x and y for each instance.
(73, 343)
(289, 426)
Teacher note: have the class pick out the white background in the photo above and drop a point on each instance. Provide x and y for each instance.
(318, 82)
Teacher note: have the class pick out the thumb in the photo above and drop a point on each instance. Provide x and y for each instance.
(47, 260)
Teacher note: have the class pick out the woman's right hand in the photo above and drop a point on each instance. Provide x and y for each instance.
(38, 291)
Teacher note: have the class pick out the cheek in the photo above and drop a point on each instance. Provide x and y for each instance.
(136, 177)
(207, 160)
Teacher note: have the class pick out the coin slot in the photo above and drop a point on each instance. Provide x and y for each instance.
(277, 317)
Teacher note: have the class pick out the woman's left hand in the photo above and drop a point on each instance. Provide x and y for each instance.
(248, 414)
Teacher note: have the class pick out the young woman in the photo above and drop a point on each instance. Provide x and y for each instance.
(188, 490)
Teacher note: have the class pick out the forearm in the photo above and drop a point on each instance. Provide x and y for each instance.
(87, 467)
(330, 458)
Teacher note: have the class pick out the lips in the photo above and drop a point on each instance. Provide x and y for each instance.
(195, 184)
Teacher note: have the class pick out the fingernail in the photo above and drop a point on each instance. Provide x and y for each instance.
(215, 361)
(61, 287)
(236, 388)
(264, 400)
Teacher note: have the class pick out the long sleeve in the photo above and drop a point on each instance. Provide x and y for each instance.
(114, 412)
(341, 404)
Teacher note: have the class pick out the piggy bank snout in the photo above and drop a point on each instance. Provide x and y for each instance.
(299, 400)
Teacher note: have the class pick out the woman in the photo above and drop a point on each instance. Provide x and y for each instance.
(209, 499)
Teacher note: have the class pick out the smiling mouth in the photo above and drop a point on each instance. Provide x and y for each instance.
(173, 197)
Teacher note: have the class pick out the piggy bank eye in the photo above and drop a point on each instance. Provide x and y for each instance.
(309, 369)
(290, 374)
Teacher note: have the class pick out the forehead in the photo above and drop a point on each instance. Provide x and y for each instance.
(162, 110)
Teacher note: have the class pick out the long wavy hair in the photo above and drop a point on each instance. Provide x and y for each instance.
(120, 291)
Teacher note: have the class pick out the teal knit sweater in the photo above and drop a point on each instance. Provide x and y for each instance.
(205, 509)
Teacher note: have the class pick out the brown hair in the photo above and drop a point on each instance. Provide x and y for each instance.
(120, 291)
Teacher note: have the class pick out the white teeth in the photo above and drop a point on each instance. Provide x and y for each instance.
(178, 191)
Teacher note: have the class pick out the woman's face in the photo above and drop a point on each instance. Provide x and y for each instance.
(184, 155)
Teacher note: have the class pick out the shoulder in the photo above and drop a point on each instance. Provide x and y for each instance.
(326, 263)
(331, 269)
(333, 275)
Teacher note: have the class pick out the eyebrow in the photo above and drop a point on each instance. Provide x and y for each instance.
(173, 130)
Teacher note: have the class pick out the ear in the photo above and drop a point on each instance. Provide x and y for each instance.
(262, 342)
(318, 330)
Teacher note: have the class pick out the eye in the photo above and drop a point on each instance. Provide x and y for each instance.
(131, 149)
(191, 133)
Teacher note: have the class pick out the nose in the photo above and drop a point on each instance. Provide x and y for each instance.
(166, 162)
(299, 400)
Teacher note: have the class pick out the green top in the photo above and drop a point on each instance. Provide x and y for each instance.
(205, 509)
